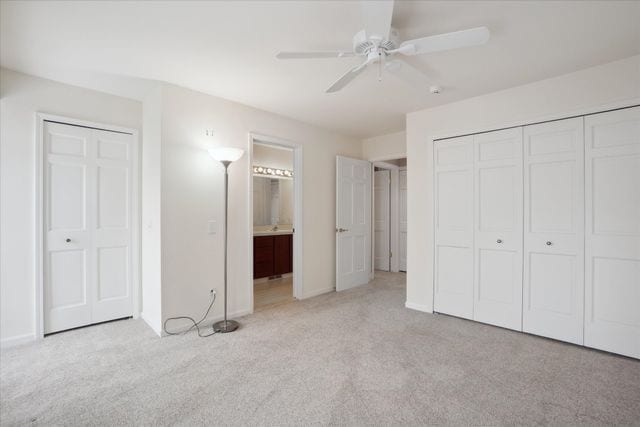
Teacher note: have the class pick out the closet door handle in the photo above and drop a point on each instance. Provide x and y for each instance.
(499, 241)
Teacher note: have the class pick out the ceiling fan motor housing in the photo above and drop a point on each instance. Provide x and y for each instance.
(364, 43)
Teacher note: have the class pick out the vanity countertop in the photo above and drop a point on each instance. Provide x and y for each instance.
(272, 233)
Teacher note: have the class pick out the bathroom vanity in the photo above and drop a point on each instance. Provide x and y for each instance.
(272, 253)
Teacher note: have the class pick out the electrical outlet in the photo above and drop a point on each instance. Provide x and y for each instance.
(208, 132)
(212, 292)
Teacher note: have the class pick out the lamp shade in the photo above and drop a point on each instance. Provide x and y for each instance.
(226, 154)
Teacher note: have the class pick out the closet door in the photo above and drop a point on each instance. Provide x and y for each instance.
(112, 198)
(453, 160)
(554, 230)
(88, 226)
(68, 257)
(612, 232)
(498, 228)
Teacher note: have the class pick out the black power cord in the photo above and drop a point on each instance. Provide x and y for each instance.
(195, 324)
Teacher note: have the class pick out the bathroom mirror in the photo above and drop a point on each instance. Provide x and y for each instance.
(272, 201)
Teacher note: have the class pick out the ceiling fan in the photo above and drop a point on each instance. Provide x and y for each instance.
(379, 43)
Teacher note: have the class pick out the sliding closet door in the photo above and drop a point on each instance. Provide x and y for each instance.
(453, 160)
(498, 228)
(612, 233)
(554, 230)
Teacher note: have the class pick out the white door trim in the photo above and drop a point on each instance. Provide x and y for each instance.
(39, 211)
(298, 285)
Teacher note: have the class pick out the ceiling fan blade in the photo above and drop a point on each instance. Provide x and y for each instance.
(348, 77)
(313, 55)
(376, 17)
(408, 73)
(471, 37)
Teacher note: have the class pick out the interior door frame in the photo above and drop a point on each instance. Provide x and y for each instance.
(394, 215)
(374, 218)
(39, 224)
(298, 252)
(401, 169)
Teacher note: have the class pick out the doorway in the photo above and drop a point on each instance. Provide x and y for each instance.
(87, 233)
(275, 200)
(390, 215)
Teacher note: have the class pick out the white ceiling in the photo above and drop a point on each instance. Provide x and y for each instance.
(227, 49)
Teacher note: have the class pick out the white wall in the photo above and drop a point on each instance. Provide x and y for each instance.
(385, 147)
(192, 194)
(608, 85)
(151, 254)
(21, 97)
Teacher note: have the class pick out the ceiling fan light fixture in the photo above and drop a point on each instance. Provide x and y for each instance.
(379, 43)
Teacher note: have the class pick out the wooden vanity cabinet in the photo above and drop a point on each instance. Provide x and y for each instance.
(263, 256)
(272, 255)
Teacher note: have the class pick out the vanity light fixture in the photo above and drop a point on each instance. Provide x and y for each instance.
(265, 171)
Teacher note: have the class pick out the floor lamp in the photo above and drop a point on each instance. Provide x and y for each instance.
(226, 155)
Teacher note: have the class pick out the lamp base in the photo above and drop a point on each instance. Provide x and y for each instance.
(225, 326)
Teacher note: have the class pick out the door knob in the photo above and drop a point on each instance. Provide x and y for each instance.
(549, 243)
(68, 240)
(499, 241)
(341, 230)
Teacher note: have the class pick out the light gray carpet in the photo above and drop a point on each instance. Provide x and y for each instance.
(357, 357)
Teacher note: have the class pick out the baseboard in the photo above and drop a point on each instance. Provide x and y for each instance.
(17, 340)
(207, 322)
(318, 292)
(418, 307)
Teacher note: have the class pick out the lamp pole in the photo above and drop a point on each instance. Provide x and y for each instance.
(225, 325)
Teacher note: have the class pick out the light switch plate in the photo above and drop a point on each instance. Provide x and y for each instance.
(212, 226)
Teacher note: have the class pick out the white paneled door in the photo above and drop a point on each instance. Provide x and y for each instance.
(402, 234)
(454, 226)
(353, 222)
(88, 223)
(498, 228)
(382, 223)
(612, 232)
(553, 303)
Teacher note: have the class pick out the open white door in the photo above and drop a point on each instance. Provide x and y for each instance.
(353, 222)
(382, 211)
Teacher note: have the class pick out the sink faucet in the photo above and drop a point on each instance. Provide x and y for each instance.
(274, 228)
